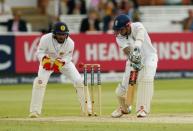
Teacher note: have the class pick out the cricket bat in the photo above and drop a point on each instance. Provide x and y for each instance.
(131, 87)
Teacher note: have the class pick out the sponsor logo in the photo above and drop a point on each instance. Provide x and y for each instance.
(30, 50)
(104, 52)
(7, 50)
(174, 50)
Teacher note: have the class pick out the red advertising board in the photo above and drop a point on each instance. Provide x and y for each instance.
(175, 51)
(101, 49)
(25, 48)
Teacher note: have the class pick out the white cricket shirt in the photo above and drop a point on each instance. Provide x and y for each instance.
(49, 46)
(138, 37)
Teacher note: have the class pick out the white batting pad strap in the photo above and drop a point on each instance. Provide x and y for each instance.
(38, 92)
(120, 90)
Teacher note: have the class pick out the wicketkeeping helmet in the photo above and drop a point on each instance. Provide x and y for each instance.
(121, 21)
(60, 28)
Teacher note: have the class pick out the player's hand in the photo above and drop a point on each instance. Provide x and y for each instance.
(58, 63)
(46, 63)
(135, 56)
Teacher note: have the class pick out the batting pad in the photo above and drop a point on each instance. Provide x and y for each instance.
(81, 97)
(38, 91)
(145, 88)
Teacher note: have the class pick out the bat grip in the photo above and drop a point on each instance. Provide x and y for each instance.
(133, 77)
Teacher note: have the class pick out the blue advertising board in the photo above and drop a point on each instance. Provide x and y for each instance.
(7, 51)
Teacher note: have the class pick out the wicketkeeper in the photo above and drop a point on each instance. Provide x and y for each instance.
(55, 54)
(134, 40)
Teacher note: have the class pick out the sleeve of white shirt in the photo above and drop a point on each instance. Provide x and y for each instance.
(140, 34)
(42, 48)
(122, 43)
(70, 49)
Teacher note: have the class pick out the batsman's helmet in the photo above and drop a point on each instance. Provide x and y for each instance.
(121, 21)
(60, 28)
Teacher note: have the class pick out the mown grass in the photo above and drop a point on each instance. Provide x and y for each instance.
(170, 97)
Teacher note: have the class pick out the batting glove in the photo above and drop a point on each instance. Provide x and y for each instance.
(137, 66)
(135, 56)
(57, 65)
(46, 63)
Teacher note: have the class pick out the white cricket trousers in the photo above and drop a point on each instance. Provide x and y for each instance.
(144, 83)
(40, 82)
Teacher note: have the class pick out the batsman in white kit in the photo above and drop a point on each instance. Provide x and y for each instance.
(135, 42)
(55, 54)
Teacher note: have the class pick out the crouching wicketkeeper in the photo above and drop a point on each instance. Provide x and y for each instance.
(55, 54)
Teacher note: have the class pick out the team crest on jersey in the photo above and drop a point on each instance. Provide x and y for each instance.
(61, 53)
(62, 28)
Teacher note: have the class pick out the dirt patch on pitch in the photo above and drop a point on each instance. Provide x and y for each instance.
(130, 119)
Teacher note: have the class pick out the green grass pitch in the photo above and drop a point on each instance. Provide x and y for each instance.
(171, 98)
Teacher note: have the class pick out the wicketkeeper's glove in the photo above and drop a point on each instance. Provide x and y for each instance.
(46, 63)
(57, 65)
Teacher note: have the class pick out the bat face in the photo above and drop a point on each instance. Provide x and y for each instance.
(131, 88)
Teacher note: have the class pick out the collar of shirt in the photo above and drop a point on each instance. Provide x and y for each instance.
(58, 46)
